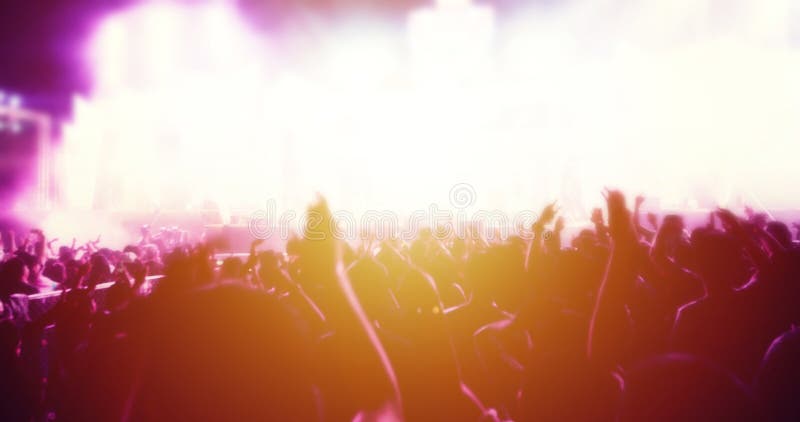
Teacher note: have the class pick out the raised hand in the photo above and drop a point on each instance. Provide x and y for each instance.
(25, 241)
(673, 224)
(637, 225)
(728, 219)
(609, 327)
(10, 245)
(619, 217)
(736, 227)
(122, 276)
(652, 218)
(559, 224)
(547, 215)
(712, 221)
(760, 220)
(83, 269)
(668, 236)
(597, 217)
(138, 271)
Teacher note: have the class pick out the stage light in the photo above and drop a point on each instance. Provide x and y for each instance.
(177, 88)
(107, 54)
(513, 107)
(14, 101)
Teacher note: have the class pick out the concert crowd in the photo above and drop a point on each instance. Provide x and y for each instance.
(636, 318)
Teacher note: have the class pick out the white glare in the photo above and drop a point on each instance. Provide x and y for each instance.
(686, 101)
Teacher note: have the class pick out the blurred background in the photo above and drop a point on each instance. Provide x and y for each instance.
(144, 107)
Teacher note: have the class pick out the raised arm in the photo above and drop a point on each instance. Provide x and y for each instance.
(640, 229)
(252, 259)
(536, 248)
(39, 245)
(554, 239)
(10, 242)
(599, 225)
(358, 353)
(734, 226)
(610, 327)
(668, 235)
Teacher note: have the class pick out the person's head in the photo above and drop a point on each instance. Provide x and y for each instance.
(719, 259)
(589, 243)
(150, 253)
(417, 294)
(55, 270)
(585, 240)
(65, 254)
(231, 268)
(99, 270)
(135, 249)
(268, 262)
(777, 383)
(597, 216)
(780, 231)
(684, 388)
(672, 232)
(15, 270)
(759, 219)
(33, 265)
(178, 270)
(270, 270)
(107, 253)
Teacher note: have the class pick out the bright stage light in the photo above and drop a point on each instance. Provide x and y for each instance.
(189, 105)
(177, 104)
(14, 101)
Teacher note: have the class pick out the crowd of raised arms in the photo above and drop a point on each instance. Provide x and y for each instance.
(633, 321)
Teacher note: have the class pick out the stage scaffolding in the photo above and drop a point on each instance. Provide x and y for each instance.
(13, 117)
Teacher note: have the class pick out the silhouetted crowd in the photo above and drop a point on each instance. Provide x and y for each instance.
(638, 319)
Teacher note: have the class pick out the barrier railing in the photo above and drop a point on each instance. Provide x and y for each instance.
(31, 307)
